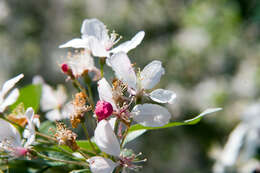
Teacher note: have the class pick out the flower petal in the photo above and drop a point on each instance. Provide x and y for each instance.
(97, 48)
(162, 96)
(106, 139)
(11, 98)
(122, 66)
(80, 63)
(151, 115)
(105, 92)
(10, 133)
(52, 99)
(131, 44)
(99, 164)
(10, 84)
(231, 150)
(95, 28)
(76, 43)
(54, 115)
(151, 74)
(29, 132)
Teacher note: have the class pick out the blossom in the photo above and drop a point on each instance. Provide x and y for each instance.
(10, 138)
(52, 102)
(81, 63)
(243, 141)
(146, 114)
(146, 80)
(8, 99)
(95, 37)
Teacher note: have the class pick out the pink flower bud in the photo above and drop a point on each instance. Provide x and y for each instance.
(65, 68)
(20, 151)
(103, 110)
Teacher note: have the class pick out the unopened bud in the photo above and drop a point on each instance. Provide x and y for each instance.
(65, 68)
(103, 110)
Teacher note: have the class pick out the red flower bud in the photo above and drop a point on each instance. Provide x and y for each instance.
(103, 110)
(65, 68)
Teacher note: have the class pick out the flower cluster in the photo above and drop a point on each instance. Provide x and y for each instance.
(126, 107)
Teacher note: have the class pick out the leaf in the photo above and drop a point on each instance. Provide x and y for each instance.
(30, 96)
(86, 145)
(173, 124)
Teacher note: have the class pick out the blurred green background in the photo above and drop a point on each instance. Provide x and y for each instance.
(210, 49)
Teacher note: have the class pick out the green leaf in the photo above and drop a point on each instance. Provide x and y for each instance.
(173, 124)
(30, 96)
(86, 145)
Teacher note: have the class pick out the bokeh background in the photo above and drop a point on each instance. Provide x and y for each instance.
(210, 49)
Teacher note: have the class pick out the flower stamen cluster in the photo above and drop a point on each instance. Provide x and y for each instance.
(65, 136)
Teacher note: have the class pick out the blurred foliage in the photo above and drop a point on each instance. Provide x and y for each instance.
(210, 50)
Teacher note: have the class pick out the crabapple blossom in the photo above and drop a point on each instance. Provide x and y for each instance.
(52, 102)
(146, 80)
(10, 138)
(95, 37)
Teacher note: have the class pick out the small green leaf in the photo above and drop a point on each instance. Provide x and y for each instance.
(173, 124)
(30, 96)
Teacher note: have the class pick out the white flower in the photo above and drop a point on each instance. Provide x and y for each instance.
(151, 115)
(52, 102)
(148, 78)
(8, 99)
(101, 165)
(82, 62)
(243, 141)
(10, 138)
(95, 37)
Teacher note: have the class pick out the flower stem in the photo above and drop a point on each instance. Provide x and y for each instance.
(84, 154)
(59, 160)
(46, 136)
(126, 132)
(118, 169)
(88, 137)
(88, 82)
(102, 62)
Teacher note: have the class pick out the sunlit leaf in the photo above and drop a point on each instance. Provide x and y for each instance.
(86, 145)
(30, 96)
